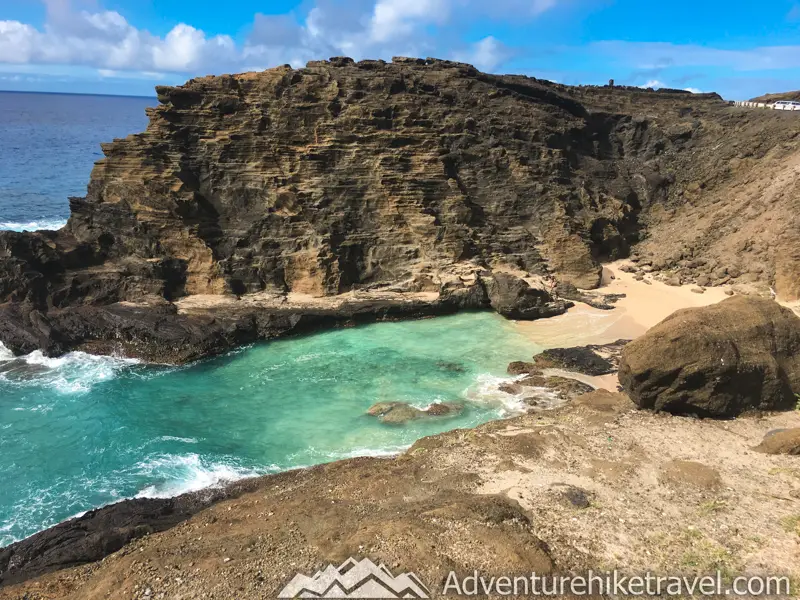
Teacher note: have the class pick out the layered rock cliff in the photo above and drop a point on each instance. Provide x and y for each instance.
(412, 177)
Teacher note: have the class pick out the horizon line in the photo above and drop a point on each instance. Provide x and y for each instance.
(3, 91)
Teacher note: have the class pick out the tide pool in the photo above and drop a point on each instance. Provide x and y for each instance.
(81, 431)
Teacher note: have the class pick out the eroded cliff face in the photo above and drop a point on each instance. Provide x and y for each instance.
(345, 175)
(416, 176)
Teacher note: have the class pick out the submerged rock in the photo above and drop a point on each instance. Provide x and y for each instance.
(451, 367)
(398, 413)
(717, 361)
(442, 409)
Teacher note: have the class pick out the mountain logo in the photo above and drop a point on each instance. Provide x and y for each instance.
(355, 579)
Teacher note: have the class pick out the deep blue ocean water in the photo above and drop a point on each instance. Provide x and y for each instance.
(48, 144)
(82, 431)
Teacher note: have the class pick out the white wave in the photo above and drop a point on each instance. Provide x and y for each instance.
(172, 438)
(5, 353)
(75, 372)
(486, 390)
(49, 224)
(180, 474)
(317, 455)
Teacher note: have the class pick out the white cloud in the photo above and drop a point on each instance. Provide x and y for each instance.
(147, 75)
(653, 83)
(398, 19)
(486, 54)
(693, 90)
(105, 40)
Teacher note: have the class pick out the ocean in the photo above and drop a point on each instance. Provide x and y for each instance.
(82, 431)
(48, 144)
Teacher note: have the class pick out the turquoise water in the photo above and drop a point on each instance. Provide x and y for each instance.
(81, 431)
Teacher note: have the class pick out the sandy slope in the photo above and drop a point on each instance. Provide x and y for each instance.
(645, 304)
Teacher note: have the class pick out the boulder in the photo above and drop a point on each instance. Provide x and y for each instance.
(782, 441)
(514, 298)
(717, 361)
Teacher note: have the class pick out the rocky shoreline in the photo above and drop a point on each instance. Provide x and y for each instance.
(267, 204)
(406, 178)
(757, 374)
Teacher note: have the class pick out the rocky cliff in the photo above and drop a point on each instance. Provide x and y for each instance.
(416, 177)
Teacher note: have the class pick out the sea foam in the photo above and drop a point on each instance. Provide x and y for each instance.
(486, 390)
(43, 224)
(5, 353)
(75, 372)
(182, 473)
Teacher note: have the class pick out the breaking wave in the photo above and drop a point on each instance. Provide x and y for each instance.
(75, 372)
(42, 224)
(178, 474)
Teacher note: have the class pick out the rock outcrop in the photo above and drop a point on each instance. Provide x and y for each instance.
(782, 441)
(415, 176)
(717, 361)
(594, 359)
(514, 298)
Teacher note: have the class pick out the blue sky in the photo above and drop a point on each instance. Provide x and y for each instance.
(737, 48)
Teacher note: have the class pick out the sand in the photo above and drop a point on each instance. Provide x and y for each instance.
(645, 304)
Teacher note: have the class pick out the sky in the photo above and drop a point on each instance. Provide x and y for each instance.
(738, 48)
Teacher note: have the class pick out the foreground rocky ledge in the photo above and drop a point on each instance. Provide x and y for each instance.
(597, 484)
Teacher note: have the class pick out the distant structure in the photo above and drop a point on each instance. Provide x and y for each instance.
(610, 83)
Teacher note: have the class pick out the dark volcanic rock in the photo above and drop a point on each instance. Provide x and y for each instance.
(564, 387)
(519, 367)
(717, 361)
(338, 177)
(513, 298)
(594, 359)
(567, 291)
(101, 532)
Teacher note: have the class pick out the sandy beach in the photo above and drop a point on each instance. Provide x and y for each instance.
(645, 304)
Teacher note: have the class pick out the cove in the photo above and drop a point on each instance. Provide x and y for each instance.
(82, 431)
